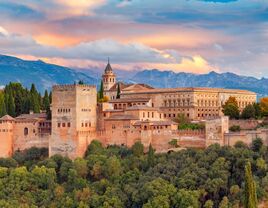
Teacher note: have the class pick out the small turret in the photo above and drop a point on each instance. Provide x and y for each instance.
(108, 78)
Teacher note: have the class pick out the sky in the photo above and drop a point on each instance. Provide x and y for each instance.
(196, 36)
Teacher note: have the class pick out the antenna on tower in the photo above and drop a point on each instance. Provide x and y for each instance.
(108, 59)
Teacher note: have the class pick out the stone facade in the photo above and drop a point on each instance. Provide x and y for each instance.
(195, 103)
(74, 109)
(142, 113)
(23, 132)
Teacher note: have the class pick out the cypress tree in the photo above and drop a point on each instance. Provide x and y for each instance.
(50, 97)
(150, 158)
(3, 110)
(46, 104)
(118, 91)
(250, 200)
(35, 100)
(11, 105)
(101, 91)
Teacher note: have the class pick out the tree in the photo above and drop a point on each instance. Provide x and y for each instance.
(50, 97)
(80, 165)
(248, 112)
(118, 91)
(231, 100)
(80, 82)
(208, 204)
(257, 144)
(264, 106)
(250, 197)
(46, 105)
(257, 108)
(186, 198)
(35, 100)
(138, 149)
(113, 167)
(3, 109)
(101, 91)
(150, 156)
(10, 105)
(224, 203)
(231, 109)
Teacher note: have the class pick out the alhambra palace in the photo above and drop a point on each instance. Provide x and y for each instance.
(142, 113)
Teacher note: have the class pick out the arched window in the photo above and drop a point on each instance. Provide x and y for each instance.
(26, 131)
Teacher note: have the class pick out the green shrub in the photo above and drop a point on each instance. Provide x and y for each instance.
(235, 128)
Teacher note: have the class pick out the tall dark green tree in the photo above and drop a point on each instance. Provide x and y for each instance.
(46, 105)
(101, 91)
(3, 110)
(248, 112)
(50, 97)
(118, 91)
(35, 100)
(11, 105)
(257, 108)
(150, 156)
(250, 198)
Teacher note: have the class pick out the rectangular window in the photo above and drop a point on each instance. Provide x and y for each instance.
(63, 124)
(69, 124)
(82, 124)
(58, 125)
(152, 114)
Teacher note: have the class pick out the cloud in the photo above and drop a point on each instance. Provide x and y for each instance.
(93, 50)
(3, 31)
(124, 55)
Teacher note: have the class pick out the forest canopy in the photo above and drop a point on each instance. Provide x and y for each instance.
(121, 177)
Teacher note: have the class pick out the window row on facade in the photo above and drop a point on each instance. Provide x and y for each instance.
(174, 115)
(148, 114)
(86, 124)
(125, 105)
(86, 110)
(64, 124)
(105, 80)
(207, 103)
(5, 130)
(64, 110)
(176, 103)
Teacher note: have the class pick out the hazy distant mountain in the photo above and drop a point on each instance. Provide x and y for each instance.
(45, 75)
(42, 74)
(121, 75)
(162, 79)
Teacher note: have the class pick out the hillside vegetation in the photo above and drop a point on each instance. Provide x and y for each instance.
(121, 177)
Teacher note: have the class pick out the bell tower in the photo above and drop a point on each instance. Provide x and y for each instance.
(108, 78)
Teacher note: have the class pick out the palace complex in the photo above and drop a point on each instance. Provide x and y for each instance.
(142, 113)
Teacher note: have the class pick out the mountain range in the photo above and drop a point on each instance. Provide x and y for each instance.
(45, 75)
(42, 74)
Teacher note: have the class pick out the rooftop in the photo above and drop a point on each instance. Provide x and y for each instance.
(32, 116)
(7, 118)
(125, 100)
(141, 107)
(122, 117)
(190, 89)
(156, 123)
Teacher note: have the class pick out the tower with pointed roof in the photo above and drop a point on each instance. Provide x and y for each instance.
(108, 78)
